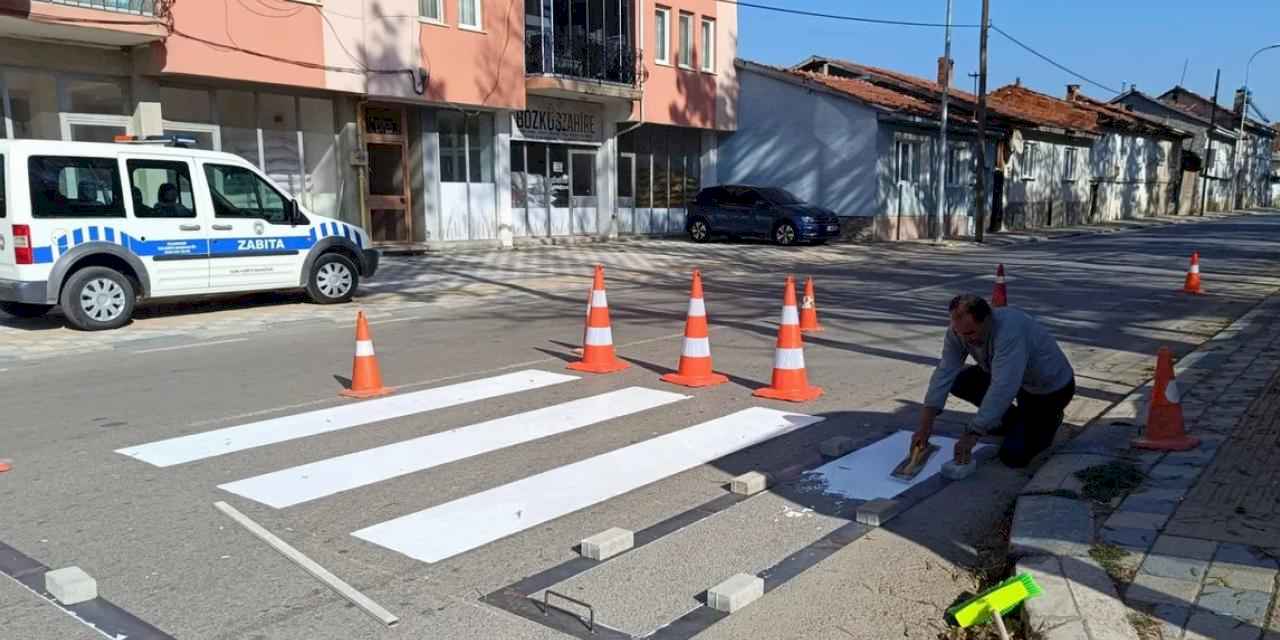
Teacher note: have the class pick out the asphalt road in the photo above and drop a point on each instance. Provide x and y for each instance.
(158, 549)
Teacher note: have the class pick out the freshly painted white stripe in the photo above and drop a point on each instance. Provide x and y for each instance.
(191, 346)
(1195, 268)
(697, 307)
(697, 347)
(208, 444)
(1172, 393)
(864, 474)
(788, 358)
(296, 485)
(364, 348)
(440, 532)
(790, 315)
(599, 336)
(599, 299)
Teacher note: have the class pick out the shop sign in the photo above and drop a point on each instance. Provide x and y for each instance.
(558, 121)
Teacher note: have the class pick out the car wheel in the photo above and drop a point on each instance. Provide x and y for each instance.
(699, 230)
(784, 234)
(97, 299)
(25, 310)
(333, 279)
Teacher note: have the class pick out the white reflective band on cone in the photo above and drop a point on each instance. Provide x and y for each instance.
(790, 315)
(999, 279)
(696, 348)
(1195, 268)
(697, 308)
(788, 359)
(1171, 392)
(364, 348)
(599, 299)
(599, 336)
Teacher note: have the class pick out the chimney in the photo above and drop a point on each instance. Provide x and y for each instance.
(1073, 92)
(1238, 107)
(945, 68)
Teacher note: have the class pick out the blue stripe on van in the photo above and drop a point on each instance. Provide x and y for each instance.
(77, 237)
(111, 234)
(62, 244)
(93, 234)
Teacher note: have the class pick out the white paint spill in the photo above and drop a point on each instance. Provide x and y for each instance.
(864, 474)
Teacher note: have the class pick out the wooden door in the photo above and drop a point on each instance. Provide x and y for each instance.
(387, 190)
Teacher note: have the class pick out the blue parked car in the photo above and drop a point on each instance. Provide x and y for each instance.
(764, 212)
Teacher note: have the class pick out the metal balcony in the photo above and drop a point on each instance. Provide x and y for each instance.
(131, 7)
(601, 60)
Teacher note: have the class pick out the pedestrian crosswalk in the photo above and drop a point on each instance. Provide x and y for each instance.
(472, 521)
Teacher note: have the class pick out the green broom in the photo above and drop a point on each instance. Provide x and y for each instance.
(995, 602)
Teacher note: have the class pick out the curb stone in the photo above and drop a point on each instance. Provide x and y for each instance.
(1180, 583)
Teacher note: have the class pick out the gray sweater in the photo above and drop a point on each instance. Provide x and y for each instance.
(1019, 354)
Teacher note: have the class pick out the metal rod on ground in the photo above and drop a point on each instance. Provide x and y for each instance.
(320, 573)
(995, 617)
(980, 211)
(942, 154)
(1208, 146)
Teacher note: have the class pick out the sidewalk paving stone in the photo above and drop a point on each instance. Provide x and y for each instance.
(1159, 590)
(1164, 566)
(1136, 539)
(1244, 556)
(1206, 625)
(1051, 524)
(1240, 577)
(1123, 519)
(1172, 619)
(1250, 606)
(1180, 547)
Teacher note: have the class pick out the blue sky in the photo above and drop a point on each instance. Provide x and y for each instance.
(1142, 42)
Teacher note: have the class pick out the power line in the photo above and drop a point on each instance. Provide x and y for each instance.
(846, 18)
(1051, 60)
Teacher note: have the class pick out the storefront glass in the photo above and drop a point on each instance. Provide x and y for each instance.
(668, 174)
(33, 101)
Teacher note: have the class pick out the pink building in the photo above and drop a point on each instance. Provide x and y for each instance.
(426, 121)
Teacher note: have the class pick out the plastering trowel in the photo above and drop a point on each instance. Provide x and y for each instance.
(913, 464)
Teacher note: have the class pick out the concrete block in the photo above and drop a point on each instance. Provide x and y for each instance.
(1123, 519)
(1052, 525)
(875, 513)
(1138, 504)
(1241, 577)
(608, 543)
(749, 484)
(1173, 567)
(836, 447)
(1070, 631)
(71, 585)
(1249, 606)
(1171, 618)
(1206, 625)
(1128, 537)
(1059, 471)
(1157, 590)
(1244, 556)
(1180, 547)
(1105, 616)
(953, 471)
(1055, 603)
(735, 593)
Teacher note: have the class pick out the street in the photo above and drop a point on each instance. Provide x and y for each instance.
(92, 485)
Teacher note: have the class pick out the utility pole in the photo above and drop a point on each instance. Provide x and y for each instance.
(981, 209)
(1208, 145)
(942, 156)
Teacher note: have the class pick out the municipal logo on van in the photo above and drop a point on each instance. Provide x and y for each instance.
(259, 228)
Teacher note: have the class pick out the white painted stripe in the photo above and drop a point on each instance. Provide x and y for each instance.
(788, 358)
(296, 485)
(599, 299)
(790, 315)
(364, 348)
(1172, 393)
(1195, 268)
(697, 307)
(599, 336)
(697, 347)
(440, 532)
(198, 446)
(191, 346)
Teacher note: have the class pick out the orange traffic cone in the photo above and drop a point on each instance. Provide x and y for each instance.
(695, 355)
(809, 309)
(5, 465)
(1193, 275)
(790, 382)
(1165, 430)
(999, 295)
(597, 346)
(366, 379)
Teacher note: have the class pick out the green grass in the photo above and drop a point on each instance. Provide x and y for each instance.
(1106, 482)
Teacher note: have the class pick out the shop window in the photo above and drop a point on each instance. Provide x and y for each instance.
(100, 96)
(236, 115)
(519, 178)
(186, 105)
(559, 175)
(33, 104)
(466, 147)
(278, 119)
(320, 156)
(71, 187)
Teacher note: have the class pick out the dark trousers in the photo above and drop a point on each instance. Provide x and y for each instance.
(1029, 425)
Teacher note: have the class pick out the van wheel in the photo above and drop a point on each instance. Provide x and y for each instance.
(25, 310)
(98, 298)
(333, 279)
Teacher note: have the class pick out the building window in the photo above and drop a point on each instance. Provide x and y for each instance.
(469, 13)
(686, 40)
(431, 10)
(466, 147)
(1069, 165)
(908, 155)
(662, 36)
(708, 45)
(956, 166)
(1030, 157)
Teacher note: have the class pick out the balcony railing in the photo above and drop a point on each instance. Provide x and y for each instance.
(132, 7)
(588, 58)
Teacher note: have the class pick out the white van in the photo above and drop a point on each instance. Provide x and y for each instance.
(95, 227)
